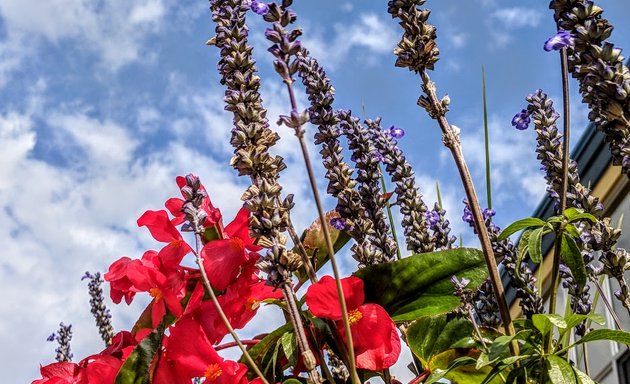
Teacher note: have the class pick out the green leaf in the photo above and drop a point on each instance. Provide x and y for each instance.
(520, 224)
(572, 257)
(135, 370)
(573, 214)
(606, 334)
(545, 322)
(292, 381)
(571, 230)
(523, 246)
(420, 285)
(457, 363)
(583, 377)
(262, 353)
(315, 244)
(431, 335)
(560, 371)
(574, 319)
(288, 346)
(458, 369)
(534, 244)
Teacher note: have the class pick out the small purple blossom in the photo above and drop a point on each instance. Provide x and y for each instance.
(558, 41)
(488, 213)
(338, 223)
(378, 156)
(51, 337)
(433, 217)
(468, 216)
(259, 7)
(396, 132)
(521, 120)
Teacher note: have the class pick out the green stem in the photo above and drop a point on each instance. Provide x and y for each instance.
(389, 214)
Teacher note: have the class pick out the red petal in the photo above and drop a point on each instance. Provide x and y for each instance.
(239, 227)
(222, 260)
(323, 301)
(174, 206)
(173, 253)
(160, 226)
(189, 348)
(63, 370)
(376, 340)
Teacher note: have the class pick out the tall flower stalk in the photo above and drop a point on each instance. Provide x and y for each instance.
(599, 67)
(417, 51)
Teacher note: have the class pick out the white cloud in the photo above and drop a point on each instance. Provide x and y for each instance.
(370, 32)
(515, 173)
(115, 30)
(517, 17)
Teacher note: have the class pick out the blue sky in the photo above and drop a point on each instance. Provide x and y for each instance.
(105, 102)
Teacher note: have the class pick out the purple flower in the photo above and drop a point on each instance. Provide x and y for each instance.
(467, 217)
(433, 218)
(396, 132)
(521, 120)
(378, 156)
(259, 7)
(488, 213)
(51, 337)
(338, 223)
(558, 41)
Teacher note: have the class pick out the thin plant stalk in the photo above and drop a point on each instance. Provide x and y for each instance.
(555, 271)
(389, 214)
(486, 140)
(299, 133)
(452, 142)
(226, 322)
(612, 312)
(310, 271)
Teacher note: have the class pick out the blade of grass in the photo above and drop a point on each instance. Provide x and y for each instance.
(486, 139)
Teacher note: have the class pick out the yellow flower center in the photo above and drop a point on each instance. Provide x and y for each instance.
(250, 303)
(354, 316)
(213, 372)
(156, 294)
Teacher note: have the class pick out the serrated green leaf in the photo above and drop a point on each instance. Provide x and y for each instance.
(431, 335)
(560, 371)
(520, 224)
(535, 244)
(315, 244)
(573, 259)
(420, 285)
(135, 370)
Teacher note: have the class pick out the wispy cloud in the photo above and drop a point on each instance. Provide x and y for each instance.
(114, 30)
(370, 32)
(518, 17)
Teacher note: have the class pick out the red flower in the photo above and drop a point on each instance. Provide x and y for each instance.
(240, 303)
(376, 341)
(165, 285)
(164, 231)
(194, 356)
(57, 373)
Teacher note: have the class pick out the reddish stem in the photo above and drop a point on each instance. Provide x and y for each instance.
(233, 344)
